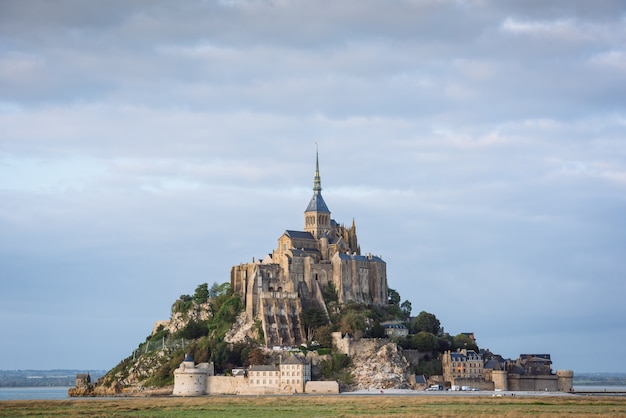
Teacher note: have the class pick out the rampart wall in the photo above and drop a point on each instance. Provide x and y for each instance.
(548, 383)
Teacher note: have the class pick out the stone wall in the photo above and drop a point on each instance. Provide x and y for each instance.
(228, 385)
(548, 383)
(414, 356)
(474, 383)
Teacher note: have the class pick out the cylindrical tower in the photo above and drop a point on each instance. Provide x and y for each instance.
(499, 378)
(566, 380)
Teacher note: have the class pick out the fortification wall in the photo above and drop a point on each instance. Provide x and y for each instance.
(350, 346)
(547, 383)
(231, 385)
(414, 356)
(474, 383)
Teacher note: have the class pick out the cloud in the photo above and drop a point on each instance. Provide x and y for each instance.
(146, 147)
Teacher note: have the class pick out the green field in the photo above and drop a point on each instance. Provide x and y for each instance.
(322, 406)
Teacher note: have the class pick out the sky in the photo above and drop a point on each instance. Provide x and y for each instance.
(148, 146)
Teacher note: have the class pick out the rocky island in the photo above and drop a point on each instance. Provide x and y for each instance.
(315, 315)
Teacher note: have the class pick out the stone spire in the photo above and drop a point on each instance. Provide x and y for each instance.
(317, 182)
(317, 215)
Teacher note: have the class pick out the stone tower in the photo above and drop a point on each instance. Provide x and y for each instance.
(317, 215)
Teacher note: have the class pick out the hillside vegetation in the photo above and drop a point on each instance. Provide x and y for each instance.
(205, 325)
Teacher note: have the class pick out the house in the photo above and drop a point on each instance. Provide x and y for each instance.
(395, 330)
(463, 364)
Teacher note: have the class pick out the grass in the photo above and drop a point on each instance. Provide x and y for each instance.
(321, 406)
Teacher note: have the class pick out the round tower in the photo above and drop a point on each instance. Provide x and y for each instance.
(566, 380)
(500, 379)
(189, 380)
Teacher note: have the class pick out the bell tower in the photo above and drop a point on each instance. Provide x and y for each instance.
(317, 215)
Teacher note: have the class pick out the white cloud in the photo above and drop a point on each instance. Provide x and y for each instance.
(478, 145)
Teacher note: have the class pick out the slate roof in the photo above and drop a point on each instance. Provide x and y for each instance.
(303, 253)
(263, 368)
(299, 234)
(361, 258)
(492, 363)
(536, 357)
(317, 204)
(457, 357)
(395, 326)
(291, 360)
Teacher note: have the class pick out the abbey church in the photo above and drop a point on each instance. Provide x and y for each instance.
(294, 276)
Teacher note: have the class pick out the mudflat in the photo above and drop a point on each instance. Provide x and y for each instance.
(322, 406)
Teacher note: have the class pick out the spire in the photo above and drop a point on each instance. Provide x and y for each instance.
(317, 203)
(317, 182)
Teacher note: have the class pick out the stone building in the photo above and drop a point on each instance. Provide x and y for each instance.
(292, 375)
(305, 263)
(463, 364)
(530, 372)
(395, 330)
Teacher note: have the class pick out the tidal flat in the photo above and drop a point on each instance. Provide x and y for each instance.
(322, 406)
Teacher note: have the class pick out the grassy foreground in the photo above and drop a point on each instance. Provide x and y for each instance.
(322, 406)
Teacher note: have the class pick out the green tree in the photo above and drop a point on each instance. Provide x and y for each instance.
(444, 343)
(311, 319)
(424, 342)
(406, 307)
(193, 330)
(394, 296)
(353, 323)
(425, 321)
(323, 335)
(462, 341)
(378, 331)
(329, 293)
(202, 293)
(429, 367)
(257, 356)
(214, 291)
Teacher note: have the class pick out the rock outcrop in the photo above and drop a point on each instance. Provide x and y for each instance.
(379, 366)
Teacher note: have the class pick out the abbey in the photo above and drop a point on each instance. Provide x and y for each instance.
(304, 264)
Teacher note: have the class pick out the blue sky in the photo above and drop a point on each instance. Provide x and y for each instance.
(148, 146)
